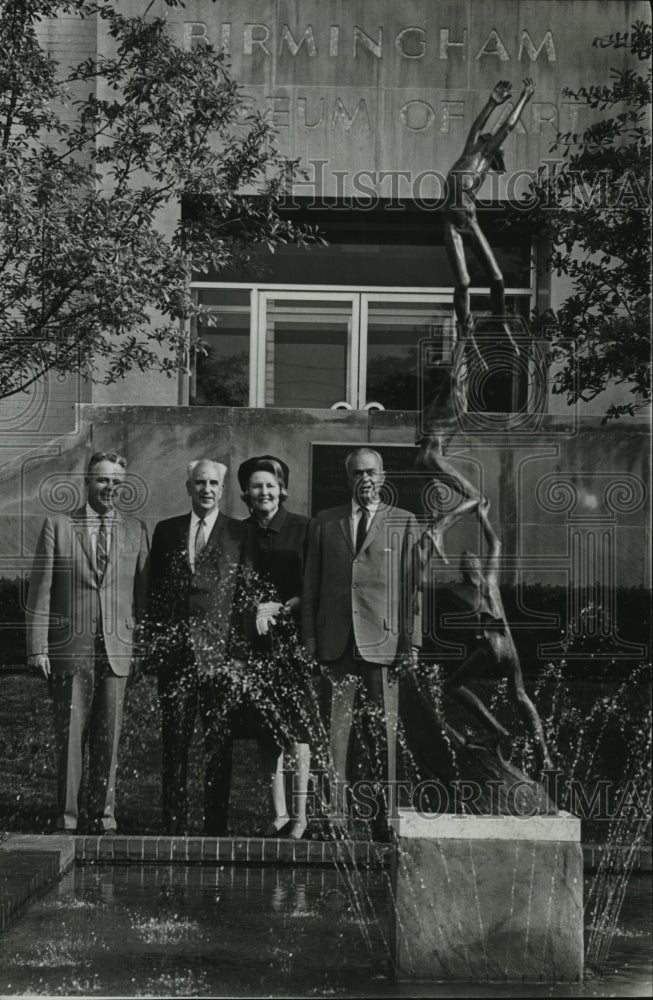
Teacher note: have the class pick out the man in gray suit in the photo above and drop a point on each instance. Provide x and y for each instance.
(359, 618)
(87, 591)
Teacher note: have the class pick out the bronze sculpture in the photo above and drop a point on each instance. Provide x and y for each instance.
(439, 750)
(494, 648)
(482, 152)
(438, 425)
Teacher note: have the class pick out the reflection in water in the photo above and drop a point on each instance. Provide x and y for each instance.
(197, 930)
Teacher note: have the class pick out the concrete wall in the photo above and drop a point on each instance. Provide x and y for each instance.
(421, 89)
(381, 86)
(568, 496)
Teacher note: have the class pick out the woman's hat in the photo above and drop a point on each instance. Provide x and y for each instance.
(258, 463)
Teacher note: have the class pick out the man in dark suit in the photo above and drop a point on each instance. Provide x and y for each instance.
(86, 593)
(359, 618)
(194, 630)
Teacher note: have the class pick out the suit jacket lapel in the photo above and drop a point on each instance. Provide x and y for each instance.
(218, 528)
(212, 541)
(80, 530)
(183, 540)
(117, 540)
(374, 528)
(345, 525)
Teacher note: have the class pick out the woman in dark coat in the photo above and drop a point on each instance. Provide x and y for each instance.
(279, 553)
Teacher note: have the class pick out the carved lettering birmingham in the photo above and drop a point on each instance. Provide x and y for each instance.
(365, 45)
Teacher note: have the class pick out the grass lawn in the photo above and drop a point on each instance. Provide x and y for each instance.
(27, 790)
(597, 731)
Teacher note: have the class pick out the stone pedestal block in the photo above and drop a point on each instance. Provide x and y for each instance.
(488, 898)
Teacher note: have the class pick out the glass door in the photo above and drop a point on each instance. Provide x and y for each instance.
(307, 347)
(317, 349)
(392, 328)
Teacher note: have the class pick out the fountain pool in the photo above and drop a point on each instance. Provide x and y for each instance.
(245, 931)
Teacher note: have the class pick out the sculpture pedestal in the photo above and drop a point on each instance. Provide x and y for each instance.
(496, 898)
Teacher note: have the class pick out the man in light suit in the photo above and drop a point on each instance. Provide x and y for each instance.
(86, 594)
(195, 636)
(359, 617)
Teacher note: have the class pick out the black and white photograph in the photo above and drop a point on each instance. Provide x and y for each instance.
(325, 540)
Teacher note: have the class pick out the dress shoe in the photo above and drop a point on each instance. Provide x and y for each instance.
(296, 829)
(278, 827)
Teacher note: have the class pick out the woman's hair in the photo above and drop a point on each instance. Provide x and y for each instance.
(274, 468)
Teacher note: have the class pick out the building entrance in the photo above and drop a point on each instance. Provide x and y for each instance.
(316, 348)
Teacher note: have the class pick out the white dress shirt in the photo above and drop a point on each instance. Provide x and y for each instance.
(358, 511)
(209, 524)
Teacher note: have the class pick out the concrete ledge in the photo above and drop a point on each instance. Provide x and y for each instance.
(559, 827)
(256, 850)
(29, 865)
(232, 850)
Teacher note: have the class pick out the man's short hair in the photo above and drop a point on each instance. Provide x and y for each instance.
(106, 456)
(362, 451)
(209, 461)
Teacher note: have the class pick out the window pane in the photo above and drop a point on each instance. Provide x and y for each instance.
(519, 305)
(503, 387)
(394, 332)
(222, 349)
(306, 353)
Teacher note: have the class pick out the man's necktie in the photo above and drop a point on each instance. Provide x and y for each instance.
(361, 528)
(102, 551)
(200, 539)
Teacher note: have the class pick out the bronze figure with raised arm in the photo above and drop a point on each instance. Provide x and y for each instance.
(439, 424)
(479, 594)
(482, 153)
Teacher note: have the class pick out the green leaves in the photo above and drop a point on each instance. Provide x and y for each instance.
(91, 158)
(594, 208)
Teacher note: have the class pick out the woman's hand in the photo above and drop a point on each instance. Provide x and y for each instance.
(266, 616)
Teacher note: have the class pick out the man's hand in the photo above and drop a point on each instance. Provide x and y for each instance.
(529, 89)
(40, 661)
(311, 647)
(136, 669)
(501, 92)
